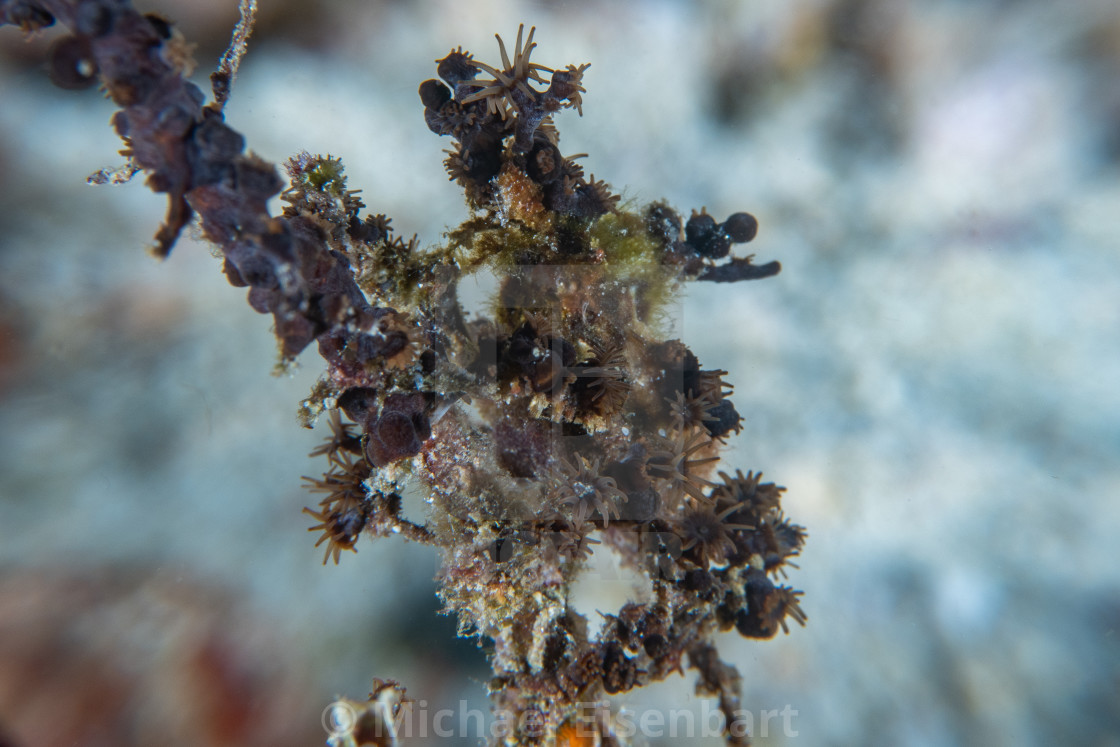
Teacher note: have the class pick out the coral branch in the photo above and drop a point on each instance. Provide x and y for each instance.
(553, 425)
(221, 80)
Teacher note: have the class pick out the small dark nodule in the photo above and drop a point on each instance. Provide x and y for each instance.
(72, 65)
(434, 94)
(741, 227)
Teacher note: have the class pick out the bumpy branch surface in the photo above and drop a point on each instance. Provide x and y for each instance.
(557, 421)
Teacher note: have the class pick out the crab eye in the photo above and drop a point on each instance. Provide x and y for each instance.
(72, 65)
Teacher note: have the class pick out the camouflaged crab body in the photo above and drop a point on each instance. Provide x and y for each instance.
(574, 424)
(544, 463)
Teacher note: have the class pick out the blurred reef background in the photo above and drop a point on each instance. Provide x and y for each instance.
(934, 376)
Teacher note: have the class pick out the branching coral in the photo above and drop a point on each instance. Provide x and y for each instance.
(555, 421)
